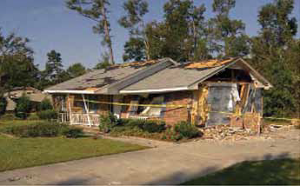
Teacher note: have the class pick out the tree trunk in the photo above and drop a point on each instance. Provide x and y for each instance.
(107, 36)
(147, 48)
(195, 39)
(146, 42)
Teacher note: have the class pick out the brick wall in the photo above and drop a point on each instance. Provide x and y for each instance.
(174, 115)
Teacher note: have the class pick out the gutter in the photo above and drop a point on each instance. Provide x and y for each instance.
(154, 90)
(69, 91)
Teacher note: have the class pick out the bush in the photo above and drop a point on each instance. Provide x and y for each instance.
(45, 105)
(73, 132)
(3, 104)
(153, 126)
(172, 135)
(47, 114)
(23, 107)
(33, 116)
(186, 130)
(38, 130)
(146, 125)
(107, 122)
(8, 117)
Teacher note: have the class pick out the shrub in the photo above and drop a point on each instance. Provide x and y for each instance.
(107, 122)
(153, 126)
(186, 130)
(38, 130)
(73, 132)
(8, 117)
(45, 105)
(172, 135)
(23, 107)
(47, 114)
(146, 125)
(33, 116)
(3, 104)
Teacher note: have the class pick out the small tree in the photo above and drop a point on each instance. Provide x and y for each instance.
(23, 107)
(45, 105)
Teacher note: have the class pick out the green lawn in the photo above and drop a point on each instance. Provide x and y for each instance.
(268, 172)
(27, 152)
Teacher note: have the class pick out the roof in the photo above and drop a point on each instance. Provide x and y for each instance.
(151, 76)
(97, 80)
(186, 76)
(171, 78)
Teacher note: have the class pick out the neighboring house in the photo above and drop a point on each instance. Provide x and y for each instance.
(36, 96)
(198, 92)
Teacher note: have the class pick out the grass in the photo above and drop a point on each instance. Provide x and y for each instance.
(27, 152)
(267, 172)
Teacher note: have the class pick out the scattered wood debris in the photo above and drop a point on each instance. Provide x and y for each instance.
(226, 132)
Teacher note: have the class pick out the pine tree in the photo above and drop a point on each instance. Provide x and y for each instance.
(96, 10)
(227, 36)
(54, 72)
(137, 47)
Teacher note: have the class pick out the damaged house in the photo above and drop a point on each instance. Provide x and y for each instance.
(204, 93)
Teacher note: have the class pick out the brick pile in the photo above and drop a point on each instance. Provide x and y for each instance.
(225, 132)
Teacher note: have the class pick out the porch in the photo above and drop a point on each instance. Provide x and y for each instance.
(79, 119)
(86, 109)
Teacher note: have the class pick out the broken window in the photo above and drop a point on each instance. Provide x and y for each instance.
(154, 111)
(146, 111)
(92, 104)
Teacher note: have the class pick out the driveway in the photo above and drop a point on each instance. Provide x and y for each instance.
(167, 164)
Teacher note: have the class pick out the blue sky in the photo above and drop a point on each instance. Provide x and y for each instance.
(50, 25)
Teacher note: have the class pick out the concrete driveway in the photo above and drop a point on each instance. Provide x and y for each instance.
(167, 164)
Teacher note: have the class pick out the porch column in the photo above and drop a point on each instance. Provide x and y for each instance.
(70, 109)
(87, 110)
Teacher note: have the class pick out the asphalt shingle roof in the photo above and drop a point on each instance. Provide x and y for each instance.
(172, 77)
(97, 78)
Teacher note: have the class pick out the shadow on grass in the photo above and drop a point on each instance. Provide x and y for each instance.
(269, 170)
(266, 170)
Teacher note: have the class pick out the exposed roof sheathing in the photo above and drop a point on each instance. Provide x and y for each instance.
(137, 63)
(209, 63)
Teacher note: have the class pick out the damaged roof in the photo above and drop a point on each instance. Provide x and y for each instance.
(187, 76)
(100, 78)
(151, 76)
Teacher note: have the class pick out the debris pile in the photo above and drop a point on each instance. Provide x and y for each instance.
(275, 127)
(225, 132)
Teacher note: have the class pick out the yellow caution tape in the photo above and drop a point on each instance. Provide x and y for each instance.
(288, 119)
(137, 105)
(229, 113)
(176, 106)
